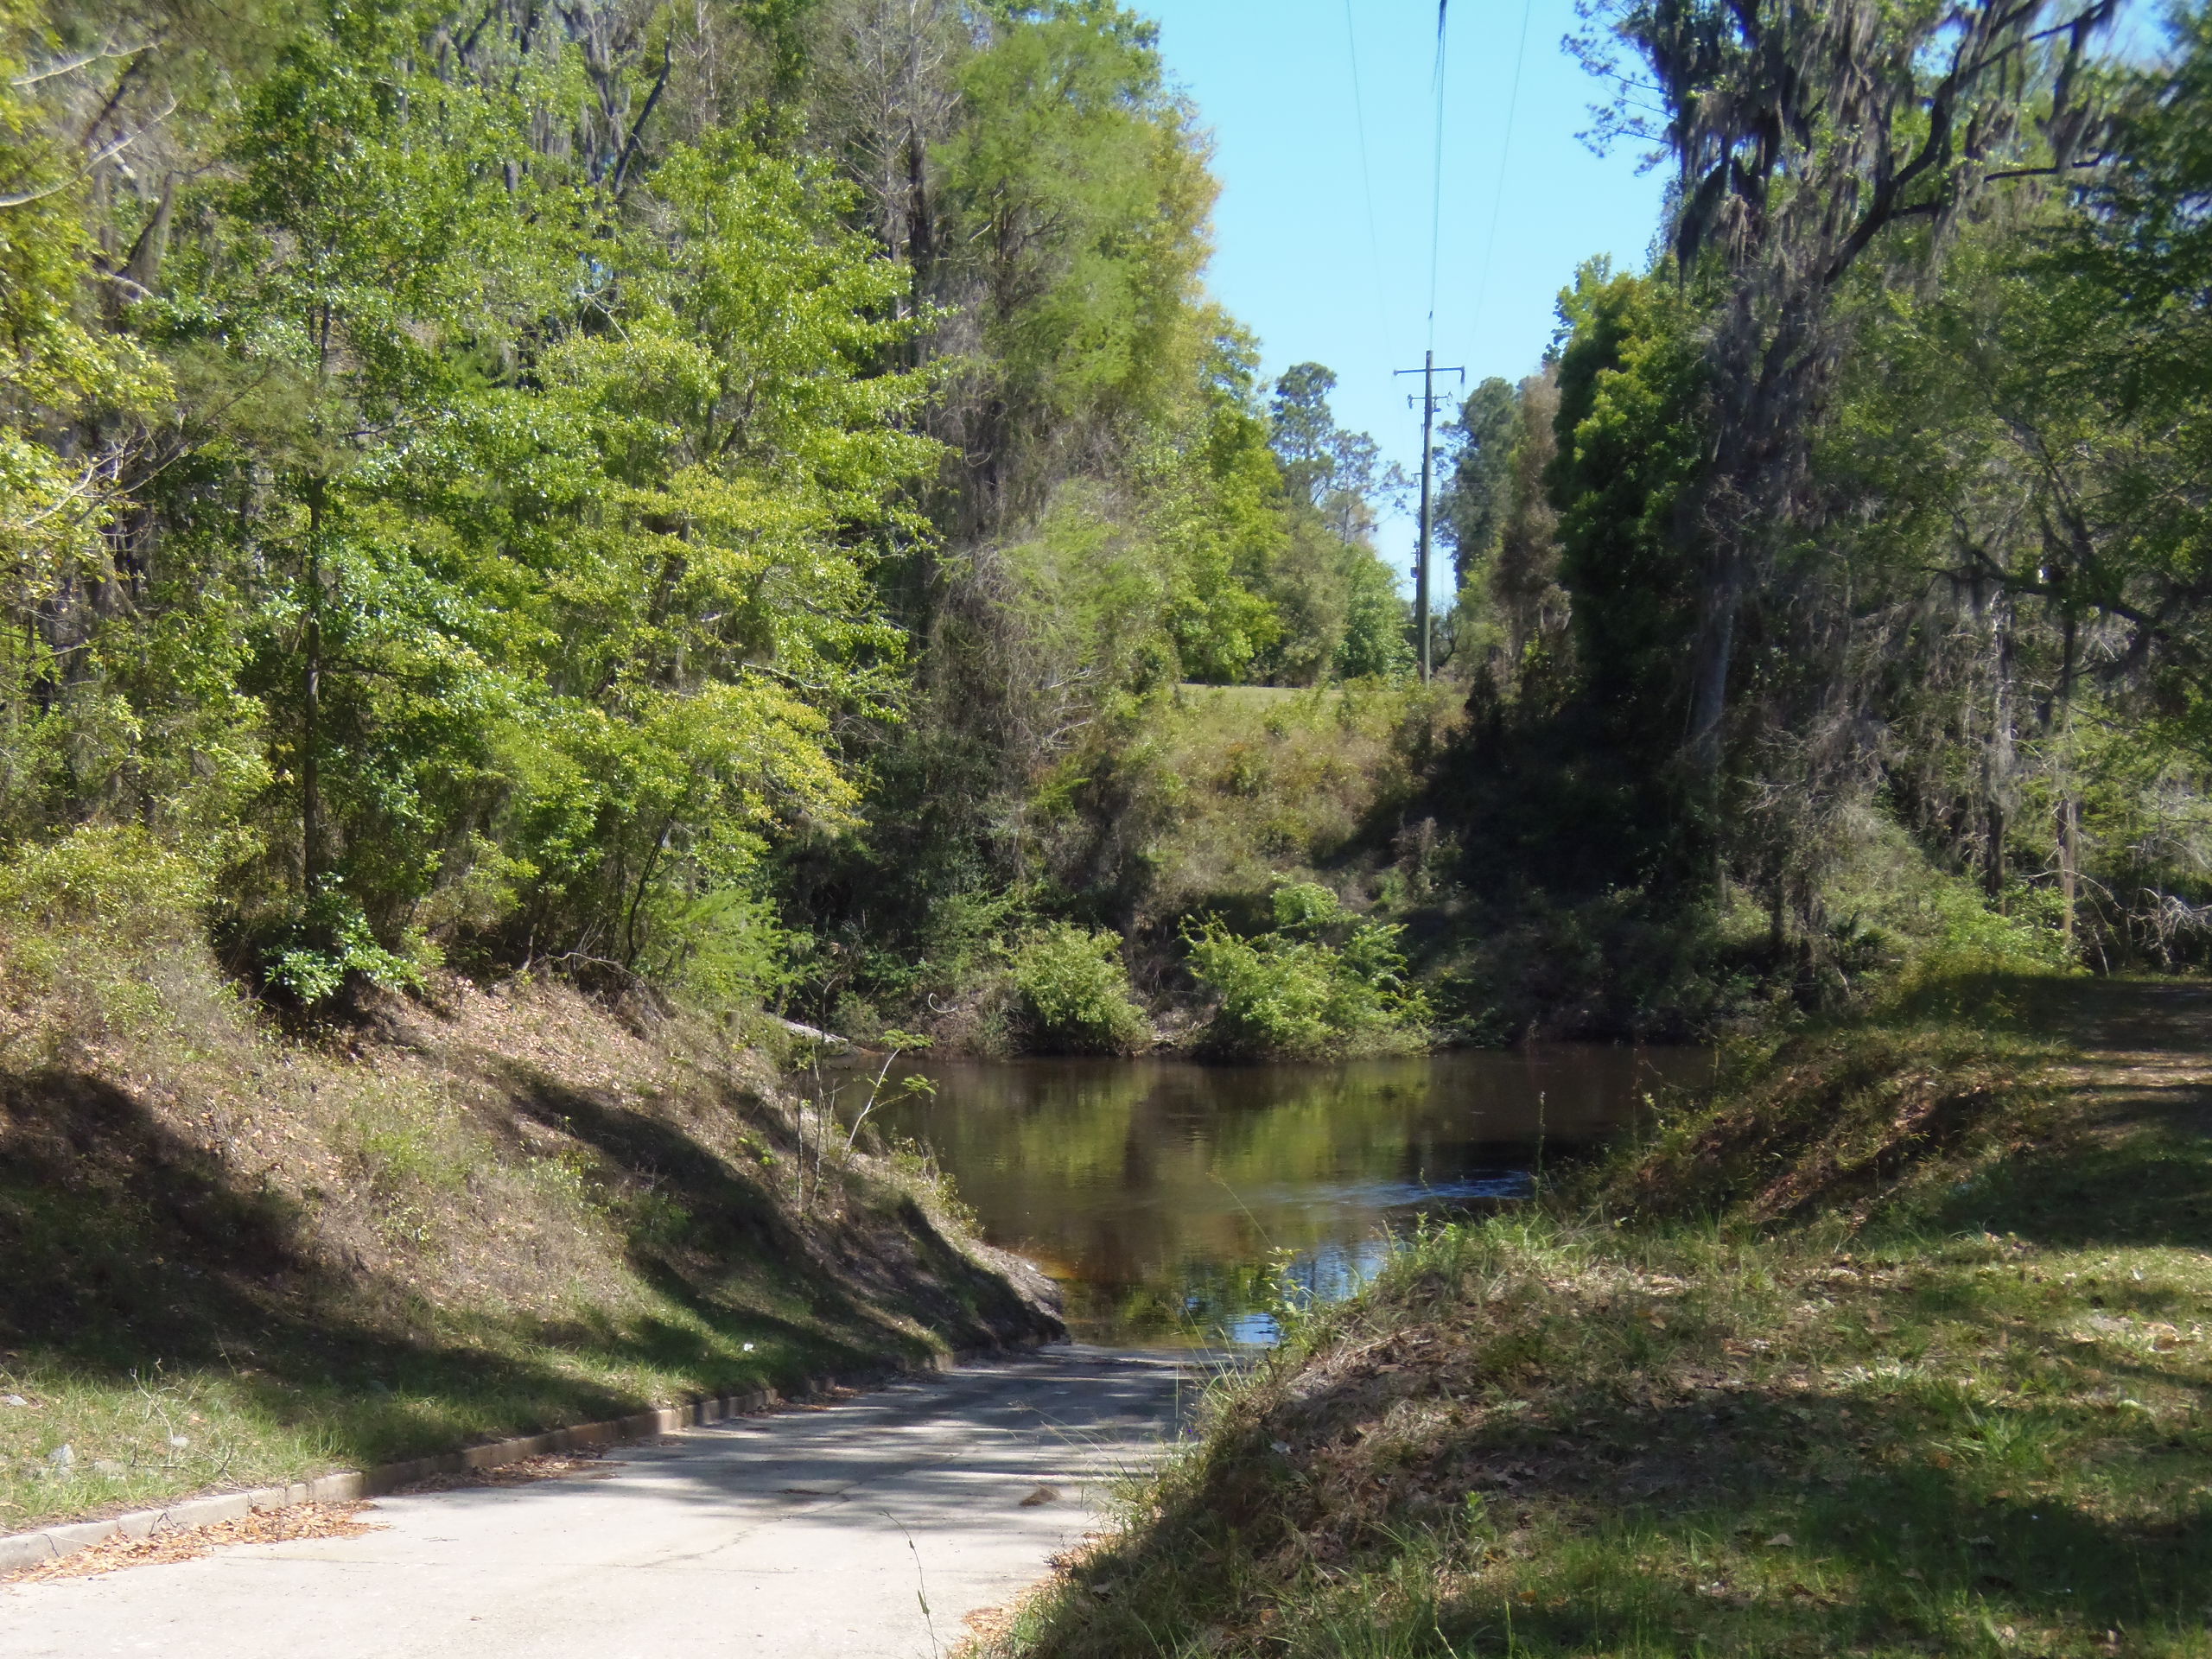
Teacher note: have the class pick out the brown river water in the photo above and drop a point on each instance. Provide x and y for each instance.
(1178, 1203)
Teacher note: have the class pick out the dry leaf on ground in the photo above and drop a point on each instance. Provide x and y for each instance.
(183, 1543)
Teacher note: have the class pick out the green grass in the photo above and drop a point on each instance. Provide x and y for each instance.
(281, 1401)
(1935, 1390)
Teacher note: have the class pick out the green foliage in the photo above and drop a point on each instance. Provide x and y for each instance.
(92, 927)
(519, 564)
(1374, 644)
(505, 496)
(1074, 991)
(1321, 984)
(106, 900)
(1478, 495)
(1630, 380)
(1077, 187)
(1218, 514)
(1878, 509)
(1342, 616)
(1305, 908)
(331, 944)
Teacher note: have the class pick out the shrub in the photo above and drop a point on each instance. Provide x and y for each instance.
(99, 918)
(1294, 995)
(1306, 907)
(1074, 993)
(118, 885)
(315, 955)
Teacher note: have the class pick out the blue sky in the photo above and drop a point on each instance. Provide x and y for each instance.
(1295, 257)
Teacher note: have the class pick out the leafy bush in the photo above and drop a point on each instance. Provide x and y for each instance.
(1322, 984)
(333, 942)
(723, 949)
(1075, 995)
(98, 917)
(1306, 907)
(117, 885)
(1970, 936)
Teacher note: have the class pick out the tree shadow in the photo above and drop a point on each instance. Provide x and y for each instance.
(876, 1264)
(132, 1253)
(2136, 1169)
(1871, 1555)
(2152, 1187)
(1755, 1519)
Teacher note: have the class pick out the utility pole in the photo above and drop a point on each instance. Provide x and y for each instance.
(1428, 372)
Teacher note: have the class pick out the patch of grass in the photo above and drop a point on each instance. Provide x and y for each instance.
(1935, 1390)
(1841, 1119)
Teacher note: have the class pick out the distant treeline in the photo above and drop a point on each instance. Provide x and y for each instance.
(718, 500)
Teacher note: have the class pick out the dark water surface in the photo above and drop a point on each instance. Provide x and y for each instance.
(1173, 1200)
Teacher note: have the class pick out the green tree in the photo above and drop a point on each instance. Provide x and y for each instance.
(1077, 200)
(1808, 139)
(1476, 496)
(68, 392)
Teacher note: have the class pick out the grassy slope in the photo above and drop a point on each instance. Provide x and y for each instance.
(1934, 1383)
(1270, 783)
(232, 1257)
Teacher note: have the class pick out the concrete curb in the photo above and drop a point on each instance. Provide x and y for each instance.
(22, 1549)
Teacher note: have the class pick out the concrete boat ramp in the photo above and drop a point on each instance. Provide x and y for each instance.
(864, 1527)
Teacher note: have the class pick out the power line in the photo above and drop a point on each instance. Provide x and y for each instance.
(1436, 177)
(1428, 372)
(1366, 178)
(1505, 155)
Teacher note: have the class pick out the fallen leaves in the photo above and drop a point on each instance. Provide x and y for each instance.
(283, 1526)
(524, 1471)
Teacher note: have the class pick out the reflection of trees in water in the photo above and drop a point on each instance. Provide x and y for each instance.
(1149, 1184)
(1194, 1302)
(1223, 1301)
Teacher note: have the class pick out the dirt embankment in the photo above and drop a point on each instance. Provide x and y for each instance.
(236, 1256)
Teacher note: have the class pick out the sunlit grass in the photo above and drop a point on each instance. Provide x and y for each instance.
(1955, 1406)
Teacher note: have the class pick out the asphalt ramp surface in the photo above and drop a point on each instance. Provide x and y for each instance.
(861, 1528)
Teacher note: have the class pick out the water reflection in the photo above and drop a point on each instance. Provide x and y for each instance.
(1179, 1202)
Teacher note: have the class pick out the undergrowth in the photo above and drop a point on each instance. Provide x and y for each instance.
(1320, 984)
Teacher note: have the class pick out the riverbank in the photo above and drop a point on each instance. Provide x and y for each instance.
(240, 1257)
(1899, 1343)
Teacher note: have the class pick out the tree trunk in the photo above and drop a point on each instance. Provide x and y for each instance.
(2069, 803)
(2069, 832)
(1716, 646)
(1997, 756)
(313, 863)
